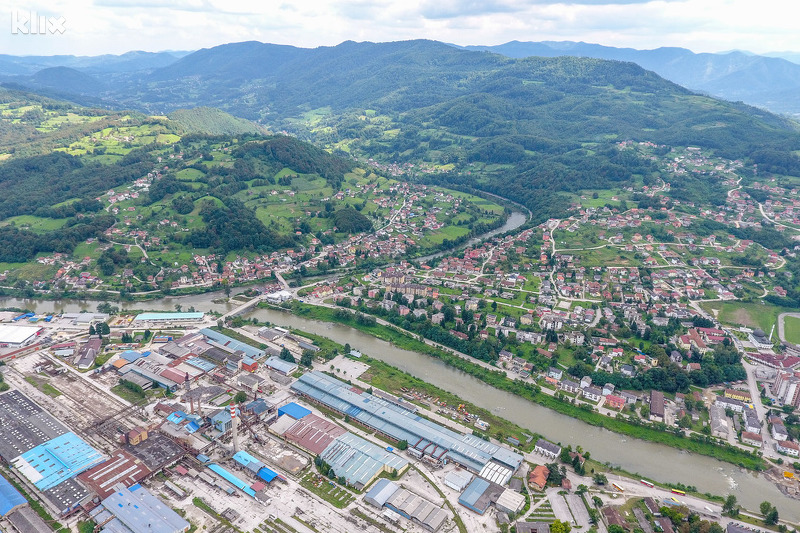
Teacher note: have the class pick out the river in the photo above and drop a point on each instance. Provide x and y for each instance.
(515, 220)
(652, 460)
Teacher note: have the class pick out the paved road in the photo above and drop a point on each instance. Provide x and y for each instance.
(769, 443)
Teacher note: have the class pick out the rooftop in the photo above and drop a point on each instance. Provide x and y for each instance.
(135, 510)
(169, 316)
(25, 425)
(401, 424)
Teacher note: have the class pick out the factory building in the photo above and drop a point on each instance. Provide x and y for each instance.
(426, 440)
(136, 509)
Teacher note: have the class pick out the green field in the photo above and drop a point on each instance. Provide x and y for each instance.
(791, 329)
(752, 315)
(35, 223)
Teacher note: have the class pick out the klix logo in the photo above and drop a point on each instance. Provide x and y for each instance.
(32, 23)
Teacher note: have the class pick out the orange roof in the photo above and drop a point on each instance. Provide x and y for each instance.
(119, 363)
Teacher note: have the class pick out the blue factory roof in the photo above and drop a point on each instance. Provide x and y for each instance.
(10, 498)
(294, 410)
(202, 364)
(232, 344)
(392, 420)
(233, 480)
(247, 460)
(57, 460)
(136, 509)
(267, 475)
(472, 494)
(169, 316)
(132, 355)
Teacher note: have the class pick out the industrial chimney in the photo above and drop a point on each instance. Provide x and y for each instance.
(234, 429)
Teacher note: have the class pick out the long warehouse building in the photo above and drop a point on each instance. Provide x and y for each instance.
(425, 439)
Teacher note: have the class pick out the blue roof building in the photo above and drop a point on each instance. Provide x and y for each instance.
(10, 498)
(135, 510)
(279, 365)
(168, 317)
(231, 345)
(233, 480)
(294, 410)
(424, 437)
(131, 355)
(57, 460)
(472, 497)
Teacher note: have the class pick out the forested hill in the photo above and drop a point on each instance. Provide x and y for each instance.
(533, 125)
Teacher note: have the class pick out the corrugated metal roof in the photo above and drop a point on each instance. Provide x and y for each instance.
(380, 492)
(473, 492)
(169, 316)
(233, 480)
(400, 424)
(358, 460)
(57, 460)
(9, 497)
(136, 509)
(294, 410)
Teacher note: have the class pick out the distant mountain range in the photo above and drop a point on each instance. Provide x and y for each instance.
(769, 82)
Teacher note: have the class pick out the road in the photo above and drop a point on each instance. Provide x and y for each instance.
(781, 324)
(768, 447)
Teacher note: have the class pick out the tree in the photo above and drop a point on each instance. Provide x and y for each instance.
(402, 445)
(240, 397)
(600, 479)
(582, 489)
(561, 527)
(770, 513)
(614, 528)
(286, 355)
(772, 517)
(92, 330)
(307, 358)
(731, 506)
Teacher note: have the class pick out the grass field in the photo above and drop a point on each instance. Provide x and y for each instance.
(791, 329)
(35, 223)
(752, 315)
(327, 490)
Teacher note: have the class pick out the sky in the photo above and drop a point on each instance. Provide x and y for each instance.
(94, 27)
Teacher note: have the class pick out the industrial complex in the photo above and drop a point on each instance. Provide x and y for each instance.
(187, 425)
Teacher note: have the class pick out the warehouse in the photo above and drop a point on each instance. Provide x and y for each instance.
(10, 498)
(359, 461)
(294, 410)
(426, 439)
(56, 460)
(27, 427)
(134, 510)
(313, 433)
(406, 503)
(121, 468)
(16, 336)
(479, 495)
(157, 319)
(279, 365)
(228, 344)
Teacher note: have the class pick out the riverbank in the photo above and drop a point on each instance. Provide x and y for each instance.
(530, 391)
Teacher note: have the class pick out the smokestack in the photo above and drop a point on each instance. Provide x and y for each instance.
(234, 429)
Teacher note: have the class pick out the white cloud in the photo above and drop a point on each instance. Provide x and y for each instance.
(116, 26)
